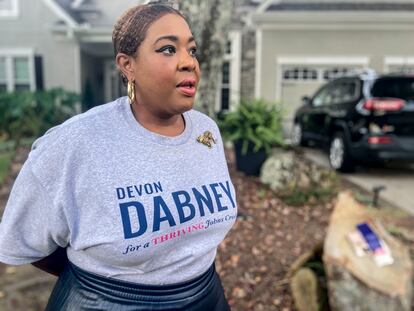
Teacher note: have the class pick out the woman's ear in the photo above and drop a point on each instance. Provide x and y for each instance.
(124, 63)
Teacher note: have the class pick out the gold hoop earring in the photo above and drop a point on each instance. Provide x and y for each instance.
(131, 91)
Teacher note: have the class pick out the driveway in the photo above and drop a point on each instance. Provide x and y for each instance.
(398, 180)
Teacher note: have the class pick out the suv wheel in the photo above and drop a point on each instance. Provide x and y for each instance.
(297, 135)
(339, 156)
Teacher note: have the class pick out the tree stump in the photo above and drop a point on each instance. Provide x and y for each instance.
(356, 283)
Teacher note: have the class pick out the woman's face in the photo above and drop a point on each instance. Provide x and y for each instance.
(166, 70)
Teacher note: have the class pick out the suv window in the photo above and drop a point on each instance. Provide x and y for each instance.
(323, 97)
(337, 90)
(349, 91)
(396, 87)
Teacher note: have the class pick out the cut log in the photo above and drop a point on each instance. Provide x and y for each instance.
(356, 283)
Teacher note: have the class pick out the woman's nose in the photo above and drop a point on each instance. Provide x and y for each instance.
(187, 62)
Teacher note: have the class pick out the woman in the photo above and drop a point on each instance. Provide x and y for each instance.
(131, 198)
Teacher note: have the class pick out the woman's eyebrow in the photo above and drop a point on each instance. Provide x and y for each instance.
(173, 38)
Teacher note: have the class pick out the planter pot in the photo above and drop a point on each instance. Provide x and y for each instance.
(251, 162)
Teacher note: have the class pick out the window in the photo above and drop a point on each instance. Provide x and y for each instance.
(21, 74)
(228, 47)
(397, 87)
(403, 69)
(322, 97)
(225, 86)
(337, 92)
(228, 88)
(300, 73)
(350, 91)
(8, 8)
(399, 64)
(330, 74)
(16, 72)
(225, 78)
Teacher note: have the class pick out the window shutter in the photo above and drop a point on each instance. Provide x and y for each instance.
(39, 72)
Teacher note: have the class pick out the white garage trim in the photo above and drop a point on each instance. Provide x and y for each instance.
(335, 20)
(337, 27)
(344, 60)
(258, 64)
(315, 61)
(397, 61)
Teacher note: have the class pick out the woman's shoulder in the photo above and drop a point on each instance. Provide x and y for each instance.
(202, 119)
(77, 128)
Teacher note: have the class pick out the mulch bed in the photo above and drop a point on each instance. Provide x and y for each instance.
(267, 238)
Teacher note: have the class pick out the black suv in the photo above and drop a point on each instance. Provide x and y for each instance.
(363, 117)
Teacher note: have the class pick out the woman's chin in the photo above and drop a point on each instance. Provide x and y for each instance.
(187, 106)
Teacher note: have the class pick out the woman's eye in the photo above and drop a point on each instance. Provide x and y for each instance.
(168, 50)
(193, 52)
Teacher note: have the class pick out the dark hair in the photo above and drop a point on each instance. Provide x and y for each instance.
(131, 28)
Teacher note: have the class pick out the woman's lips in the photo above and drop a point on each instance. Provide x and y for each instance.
(187, 86)
(187, 90)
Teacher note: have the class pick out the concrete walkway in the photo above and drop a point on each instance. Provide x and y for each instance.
(398, 180)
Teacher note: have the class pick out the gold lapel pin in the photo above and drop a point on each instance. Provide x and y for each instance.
(206, 139)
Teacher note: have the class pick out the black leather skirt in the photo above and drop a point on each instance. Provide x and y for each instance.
(77, 289)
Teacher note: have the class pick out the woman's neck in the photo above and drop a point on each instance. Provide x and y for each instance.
(167, 126)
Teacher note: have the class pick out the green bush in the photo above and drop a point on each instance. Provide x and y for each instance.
(30, 114)
(257, 122)
(5, 162)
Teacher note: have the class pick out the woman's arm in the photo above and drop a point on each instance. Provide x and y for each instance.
(54, 263)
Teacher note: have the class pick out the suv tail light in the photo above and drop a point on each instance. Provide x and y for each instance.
(384, 104)
(379, 140)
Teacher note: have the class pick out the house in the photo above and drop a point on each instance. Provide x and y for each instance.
(60, 43)
(68, 43)
(301, 44)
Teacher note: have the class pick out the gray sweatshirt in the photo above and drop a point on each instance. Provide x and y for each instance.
(126, 202)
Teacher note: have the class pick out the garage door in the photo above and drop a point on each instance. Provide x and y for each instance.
(401, 68)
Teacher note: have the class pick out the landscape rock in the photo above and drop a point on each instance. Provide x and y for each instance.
(277, 170)
(284, 168)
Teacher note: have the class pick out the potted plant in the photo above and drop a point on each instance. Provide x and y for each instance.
(254, 128)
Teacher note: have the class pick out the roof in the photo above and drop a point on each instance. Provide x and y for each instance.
(76, 9)
(342, 6)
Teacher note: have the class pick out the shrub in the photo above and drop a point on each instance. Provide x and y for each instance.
(30, 114)
(255, 122)
(5, 162)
